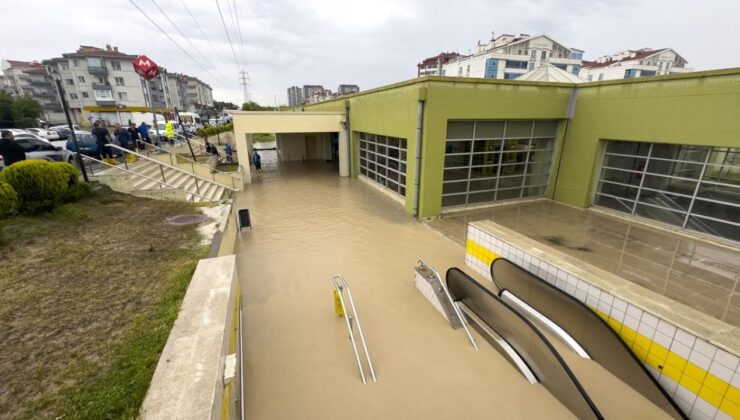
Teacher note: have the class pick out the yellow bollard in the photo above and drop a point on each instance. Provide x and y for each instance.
(338, 303)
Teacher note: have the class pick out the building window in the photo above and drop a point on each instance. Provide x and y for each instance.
(69, 82)
(85, 95)
(115, 65)
(120, 81)
(123, 96)
(76, 63)
(601, 76)
(591, 77)
(488, 161)
(81, 79)
(467, 71)
(645, 73)
(544, 55)
(561, 66)
(73, 96)
(383, 159)
(64, 66)
(459, 71)
(630, 73)
(533, 55)
(516, 64)
(693, 187)
(511, 76)
(531, 66)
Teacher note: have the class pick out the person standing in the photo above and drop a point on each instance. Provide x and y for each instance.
(228, 152)
(12, 151)
(257, 163)
(144, 131)
(135, 136)
(124, 137)
(169, 132)
(102, 138)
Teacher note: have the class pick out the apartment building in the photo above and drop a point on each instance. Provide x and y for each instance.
(30, 78)
(432, 66)
(177, 84)
(295, 96)
(347, 89)
(628, 64)
(200, 95)
(510, 56)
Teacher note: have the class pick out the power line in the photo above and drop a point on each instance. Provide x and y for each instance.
(175, 42)
(227, 33)
(184, 36)
(244, 75)
(241, 39)
(202, 31)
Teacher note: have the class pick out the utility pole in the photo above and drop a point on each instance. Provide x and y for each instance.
(60, 91)
(244, 79)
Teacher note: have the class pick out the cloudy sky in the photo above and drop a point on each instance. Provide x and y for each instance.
(369, 43)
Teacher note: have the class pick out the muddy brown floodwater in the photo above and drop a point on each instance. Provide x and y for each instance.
(308, 223)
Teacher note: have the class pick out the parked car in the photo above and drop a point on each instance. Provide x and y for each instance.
(47, 134)
(88, 146)
(44, 149)
(63, 130)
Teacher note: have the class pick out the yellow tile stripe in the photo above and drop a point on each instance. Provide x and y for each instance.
(710, 388)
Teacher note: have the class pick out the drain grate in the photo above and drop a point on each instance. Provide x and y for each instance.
(188, 219)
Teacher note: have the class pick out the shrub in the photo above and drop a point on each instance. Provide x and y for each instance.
(76, 189)
(8, 200)
(40, 185)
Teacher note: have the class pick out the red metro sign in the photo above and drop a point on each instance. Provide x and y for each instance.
(146, 68)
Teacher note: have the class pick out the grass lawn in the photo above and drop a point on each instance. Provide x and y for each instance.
(88, 295)
(228, 167)
(263, 137)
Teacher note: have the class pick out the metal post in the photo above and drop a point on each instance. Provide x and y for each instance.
(161, 169)
(151, 106)
(197, 187)
(60, 91)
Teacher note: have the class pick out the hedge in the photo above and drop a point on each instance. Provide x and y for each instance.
(8, 200)
(212, 131)
(40, 185)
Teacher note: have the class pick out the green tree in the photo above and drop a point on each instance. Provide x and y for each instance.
(6, 115)
(254, 106)
(25, 111)
(220, 106)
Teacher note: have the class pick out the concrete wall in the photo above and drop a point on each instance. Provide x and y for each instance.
(304, 146)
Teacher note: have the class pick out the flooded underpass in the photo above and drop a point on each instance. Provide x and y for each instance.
(309, 224)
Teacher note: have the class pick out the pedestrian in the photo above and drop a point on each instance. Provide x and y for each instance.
(228, 152)
(124, 137)
(257, 162)
(102, 139)
(135, 137)
(144, 131)
(169, 132)
(12, 151)
(209, 147)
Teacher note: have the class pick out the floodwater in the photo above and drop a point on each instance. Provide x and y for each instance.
(308, 223)
(697, 273)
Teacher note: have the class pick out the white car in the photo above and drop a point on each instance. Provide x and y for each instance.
(47, 134)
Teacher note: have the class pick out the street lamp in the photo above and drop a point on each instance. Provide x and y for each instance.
(60, 91)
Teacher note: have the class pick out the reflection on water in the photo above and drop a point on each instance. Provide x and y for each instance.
(696, 273)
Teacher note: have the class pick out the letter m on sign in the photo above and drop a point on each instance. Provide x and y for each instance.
(146, 68)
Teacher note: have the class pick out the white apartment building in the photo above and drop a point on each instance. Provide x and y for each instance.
(432, 66)
(510, 56)
(347, 89)
(30, 78)
(200, 96)
(634, 63)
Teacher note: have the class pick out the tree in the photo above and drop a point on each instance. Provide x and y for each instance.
(254, 106)
(18, 111)
(220, 106)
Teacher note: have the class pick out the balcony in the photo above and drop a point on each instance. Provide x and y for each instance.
(97, 70)
(98, 86)
(105, 102)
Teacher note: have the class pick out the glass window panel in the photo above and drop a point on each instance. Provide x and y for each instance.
(536, 179)
(402, 191)
(623, 177)
(510, 182)
(485, 159)
(456, 174)
(363, 153)
(660, 214)
(713, 227)
(453, 200)
(458, 146)
(454, 187)
(717, 210)
(663, 183)
(392, 164)
(543, 143)
(392, 185)
(680, 169)
(403, 144)
(487, 146)
(380, 160)
(625, 162)
(508, 194)
(628, 148)
(393, 153)
(480, 197)
(508, 170)
(363, 170)
(680, 152)
(545, 128)
(457, 160)
(371, 157)
(518, 129)
(619, 191)
(402, 179)
(514, 157)
(380, 139)
(663, 199)
(483, 184)
(393, 141)
(381, 150)
(533, 191)
(614, 203)
(403, 168)
(403, 155)
(460, 130)
(725, 174)
(489, 129)
(726, 193)
(483, 172)
(540, 156)
(371, 166)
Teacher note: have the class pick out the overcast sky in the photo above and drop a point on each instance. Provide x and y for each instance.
(369, 43)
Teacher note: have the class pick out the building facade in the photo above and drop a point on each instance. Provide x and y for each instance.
(295, 96)
(200, 96)
(310, 90)
(347, 89)
(510, 56)
(24, 78)
(432, 66)
(634, 63)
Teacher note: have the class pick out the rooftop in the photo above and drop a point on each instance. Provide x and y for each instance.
(629, 55)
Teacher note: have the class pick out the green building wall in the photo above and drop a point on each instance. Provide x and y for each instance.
(701, 108)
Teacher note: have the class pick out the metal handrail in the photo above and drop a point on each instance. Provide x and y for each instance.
(194, 175)
(92, 172)
(192, 162)
(452, 302)
(340, 285)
